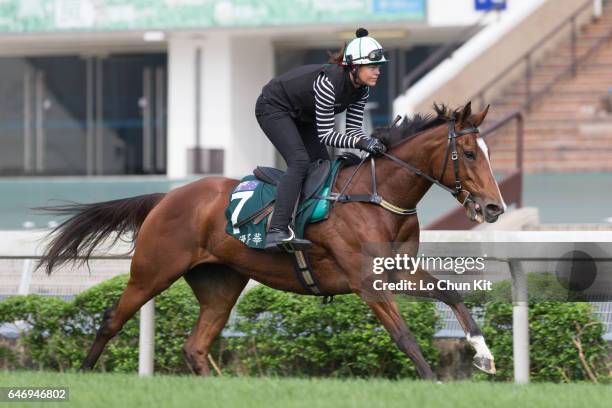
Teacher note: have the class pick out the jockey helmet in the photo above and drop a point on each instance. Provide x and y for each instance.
(363, 50)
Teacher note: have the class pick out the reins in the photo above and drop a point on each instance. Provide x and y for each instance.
(375, 198)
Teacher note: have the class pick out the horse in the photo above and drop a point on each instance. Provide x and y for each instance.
(182, 234)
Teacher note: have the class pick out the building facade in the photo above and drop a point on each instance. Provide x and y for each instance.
(168, 86)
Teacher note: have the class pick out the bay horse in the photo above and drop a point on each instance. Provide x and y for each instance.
(182, 234)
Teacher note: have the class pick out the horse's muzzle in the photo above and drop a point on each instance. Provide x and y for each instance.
(492, 211)
(480, 212)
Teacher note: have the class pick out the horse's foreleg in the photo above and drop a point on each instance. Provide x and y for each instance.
(217, 288)
(484, 358)
(389, 315)
(382, 303)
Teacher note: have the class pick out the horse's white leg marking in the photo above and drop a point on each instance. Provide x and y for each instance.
(479, 344)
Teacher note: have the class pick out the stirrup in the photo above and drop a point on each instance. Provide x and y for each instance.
(295, 245)
(291, 244)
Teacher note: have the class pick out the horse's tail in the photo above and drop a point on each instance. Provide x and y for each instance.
(91, 224)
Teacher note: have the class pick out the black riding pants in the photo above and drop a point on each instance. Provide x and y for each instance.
(299, 145)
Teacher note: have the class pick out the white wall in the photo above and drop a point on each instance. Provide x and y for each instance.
(216, 108)
(181, 104)
(233, 71)
(252, 68)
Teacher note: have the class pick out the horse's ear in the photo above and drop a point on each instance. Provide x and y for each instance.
(478, 118)
(465, 113)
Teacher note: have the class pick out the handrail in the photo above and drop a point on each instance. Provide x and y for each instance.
(527, 59)
(445, 51)
(513, 115)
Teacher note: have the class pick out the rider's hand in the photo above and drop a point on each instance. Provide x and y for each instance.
(371, 145)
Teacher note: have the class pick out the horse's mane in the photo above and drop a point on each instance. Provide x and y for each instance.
(408, 128)
(412, 126)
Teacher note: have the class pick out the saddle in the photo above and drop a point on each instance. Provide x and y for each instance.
(317, 174)
(252, 201)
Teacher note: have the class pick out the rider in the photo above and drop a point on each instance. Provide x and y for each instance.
(296, 112)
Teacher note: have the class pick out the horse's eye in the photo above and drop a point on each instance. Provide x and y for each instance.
(469, 154)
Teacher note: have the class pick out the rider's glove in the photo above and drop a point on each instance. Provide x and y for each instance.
(371, 145)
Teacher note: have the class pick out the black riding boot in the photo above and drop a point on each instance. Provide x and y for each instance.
(285, 240)
(280, 235)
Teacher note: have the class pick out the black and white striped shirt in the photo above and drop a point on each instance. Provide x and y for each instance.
(324, 112)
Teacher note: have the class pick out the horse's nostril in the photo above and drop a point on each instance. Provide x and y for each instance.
(493, 209)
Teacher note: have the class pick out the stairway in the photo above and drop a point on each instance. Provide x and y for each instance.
(569, 129)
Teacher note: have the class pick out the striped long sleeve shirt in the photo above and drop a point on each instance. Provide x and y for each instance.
(324, 113)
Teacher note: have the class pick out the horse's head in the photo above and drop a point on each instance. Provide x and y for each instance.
(455, 154)
(479, 193)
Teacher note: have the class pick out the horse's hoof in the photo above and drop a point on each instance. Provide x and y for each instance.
(485, 364)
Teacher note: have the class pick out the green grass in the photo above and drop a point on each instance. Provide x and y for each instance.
(119, 390)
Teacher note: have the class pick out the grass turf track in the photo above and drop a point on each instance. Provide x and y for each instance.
(129, 390)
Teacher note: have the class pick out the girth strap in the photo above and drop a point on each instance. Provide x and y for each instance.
(303, 272)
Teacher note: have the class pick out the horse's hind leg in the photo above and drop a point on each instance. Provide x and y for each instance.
(217, 288)
(149, 276)
(484, 358)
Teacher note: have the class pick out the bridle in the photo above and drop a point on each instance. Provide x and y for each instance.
(451, 147)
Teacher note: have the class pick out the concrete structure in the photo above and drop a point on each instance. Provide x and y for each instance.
(487, 54)
(199, 68)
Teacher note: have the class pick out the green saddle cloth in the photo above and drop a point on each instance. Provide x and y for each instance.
(252, 195)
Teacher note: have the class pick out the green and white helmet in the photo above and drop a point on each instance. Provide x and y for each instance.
(363, 50)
